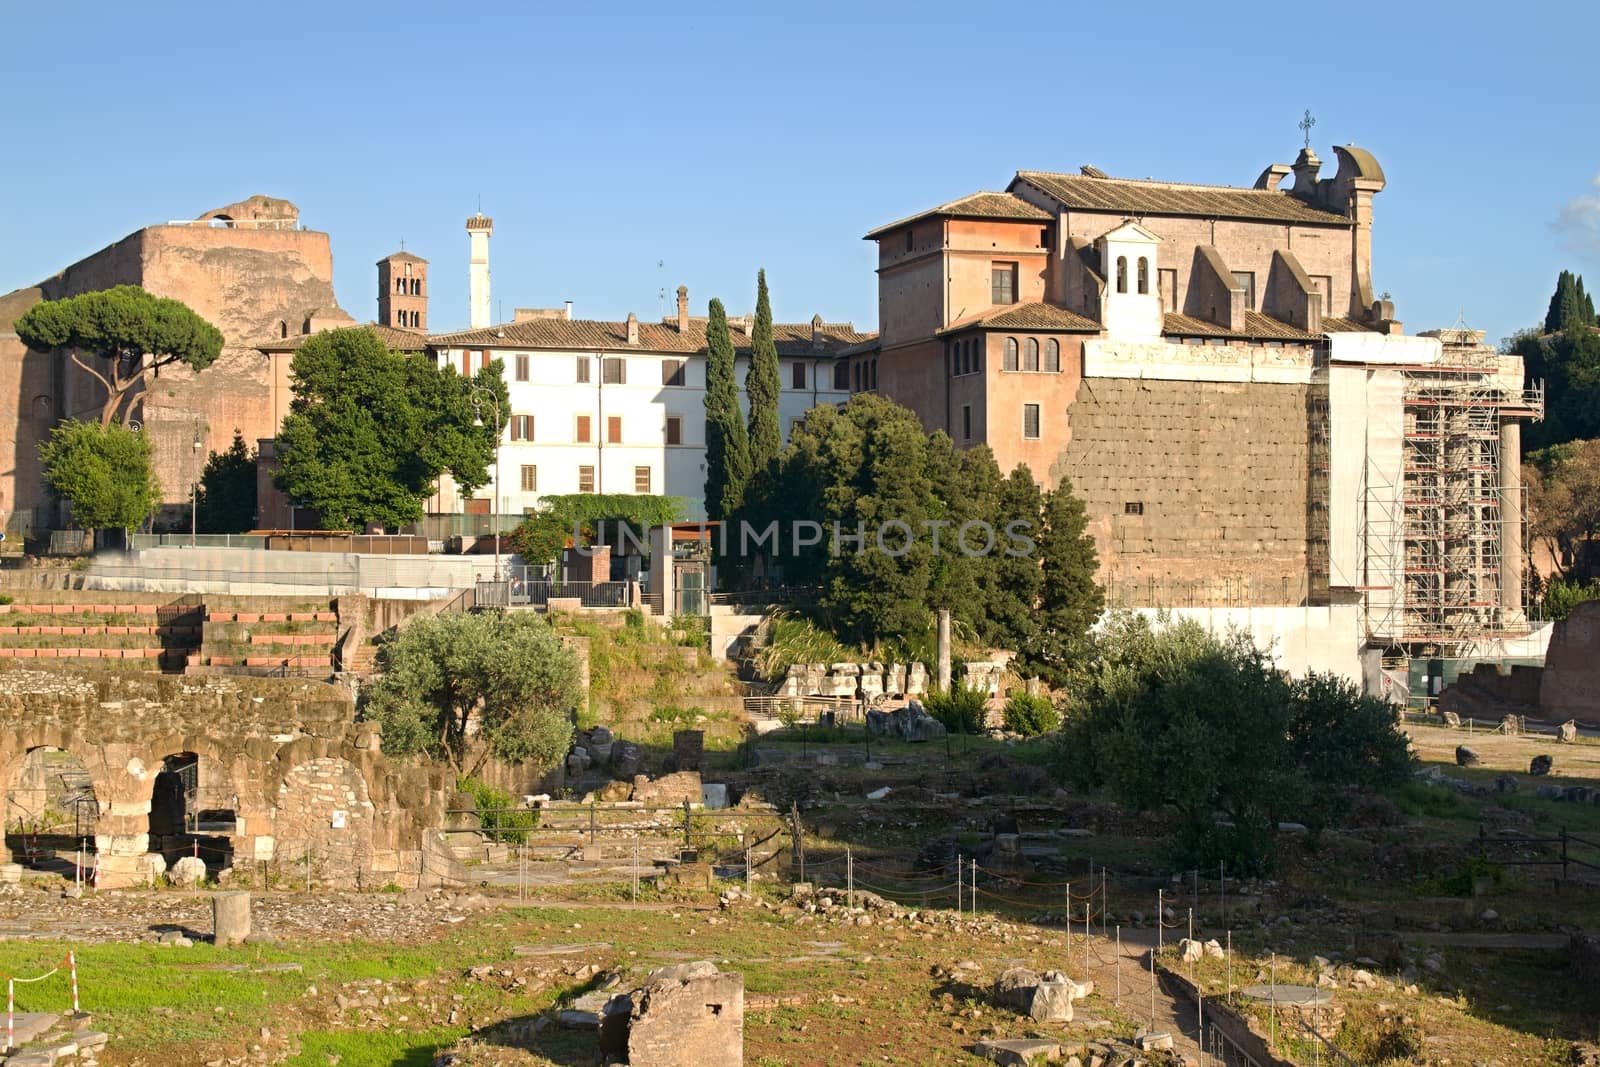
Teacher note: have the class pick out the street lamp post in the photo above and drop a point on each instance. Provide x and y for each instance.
(478, 392)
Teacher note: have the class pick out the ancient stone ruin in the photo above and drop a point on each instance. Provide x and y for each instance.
(225, 772)
(686, 1015)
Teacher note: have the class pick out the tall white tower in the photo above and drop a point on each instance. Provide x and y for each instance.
(479, 229)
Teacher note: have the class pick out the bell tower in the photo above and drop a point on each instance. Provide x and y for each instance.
(403, 292)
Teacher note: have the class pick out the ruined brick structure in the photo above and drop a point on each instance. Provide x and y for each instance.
(248, 268)
(282, 768)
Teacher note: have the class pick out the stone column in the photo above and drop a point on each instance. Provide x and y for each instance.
(1511, 561)
(944, 649)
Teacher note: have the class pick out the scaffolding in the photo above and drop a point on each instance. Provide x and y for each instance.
(1432, 530)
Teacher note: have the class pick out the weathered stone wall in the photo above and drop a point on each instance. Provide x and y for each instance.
(1219, 470)
(1572, 668)
(250, 283)
(303, 777)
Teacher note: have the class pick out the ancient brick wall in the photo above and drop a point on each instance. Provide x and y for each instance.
(300, 775)
(1218, 472)
(251, 284)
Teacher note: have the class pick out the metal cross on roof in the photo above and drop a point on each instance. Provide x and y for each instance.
(1305, 125)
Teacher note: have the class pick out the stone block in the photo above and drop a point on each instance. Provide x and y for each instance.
(230, 918)
(688, 1015)
(1018, 1052)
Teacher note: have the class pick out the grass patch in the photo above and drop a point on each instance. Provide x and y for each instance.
(392, 1048)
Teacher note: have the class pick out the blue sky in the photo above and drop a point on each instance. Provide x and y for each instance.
(713, 140)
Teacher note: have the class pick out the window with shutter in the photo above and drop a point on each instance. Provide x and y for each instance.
(583, 430)
(613, 429)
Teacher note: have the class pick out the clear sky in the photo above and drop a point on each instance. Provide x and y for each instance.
(625, 148)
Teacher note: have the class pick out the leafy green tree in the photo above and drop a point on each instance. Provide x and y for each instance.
(1070, 600)
(466, 688)
(1560, 597)
(541, 536)
(878, 492)
(104, 470)
(1011, 595)
(1169, 715)
(762, 384)
(370, 431)
(1565, 305)
(727, 440)
(1563, 503)
(128, 334)
(965, 486)
(227, 497)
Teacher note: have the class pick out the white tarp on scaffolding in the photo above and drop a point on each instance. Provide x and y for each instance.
(1366, 478)
(1382, 348)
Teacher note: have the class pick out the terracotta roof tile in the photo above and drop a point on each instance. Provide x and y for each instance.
(395, 340)
(1135, 197)
(1257, 327)
(1034, 316)
(981, 205)
(1331, 324)
(791, 338)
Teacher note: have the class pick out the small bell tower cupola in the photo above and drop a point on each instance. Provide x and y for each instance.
(403, 292)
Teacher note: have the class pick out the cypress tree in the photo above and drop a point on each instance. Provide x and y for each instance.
(1070, 600)
(1013, 591)
(1585, 304)
(727, 446)
(1564, 304)
(761, 384)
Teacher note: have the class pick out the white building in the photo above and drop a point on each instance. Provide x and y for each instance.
(619, 407)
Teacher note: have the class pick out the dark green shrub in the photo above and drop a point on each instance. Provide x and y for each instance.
(961, 709)
(502, 818)
(1031, 716)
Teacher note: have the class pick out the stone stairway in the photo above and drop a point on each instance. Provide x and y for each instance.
(44, 1039)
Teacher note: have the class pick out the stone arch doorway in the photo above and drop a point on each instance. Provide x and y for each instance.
(323, 824)
(51, 811)
(193, 810)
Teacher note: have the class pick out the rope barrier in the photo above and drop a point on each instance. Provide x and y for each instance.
(882, 892)
(11, 995)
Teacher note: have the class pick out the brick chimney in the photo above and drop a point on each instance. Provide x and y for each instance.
(633, 328)
(683, 309)
(816, 330)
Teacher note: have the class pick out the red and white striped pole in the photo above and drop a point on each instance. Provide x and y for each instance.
(72, 965)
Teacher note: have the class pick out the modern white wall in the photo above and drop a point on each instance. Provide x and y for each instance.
(1300, 639)
(555, 399)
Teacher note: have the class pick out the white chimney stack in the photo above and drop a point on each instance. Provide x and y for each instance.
(479, 229)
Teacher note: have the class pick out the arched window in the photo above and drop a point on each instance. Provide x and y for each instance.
(1144, 275)
(399, 318)
(1122, 274)
(874, 374)
(1052, 356)
(966, 357)
(399, 285)
(1011, 354)
(1030, 355)
(416, 286)
(977, 357)
(416, 318)
(283, 328)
